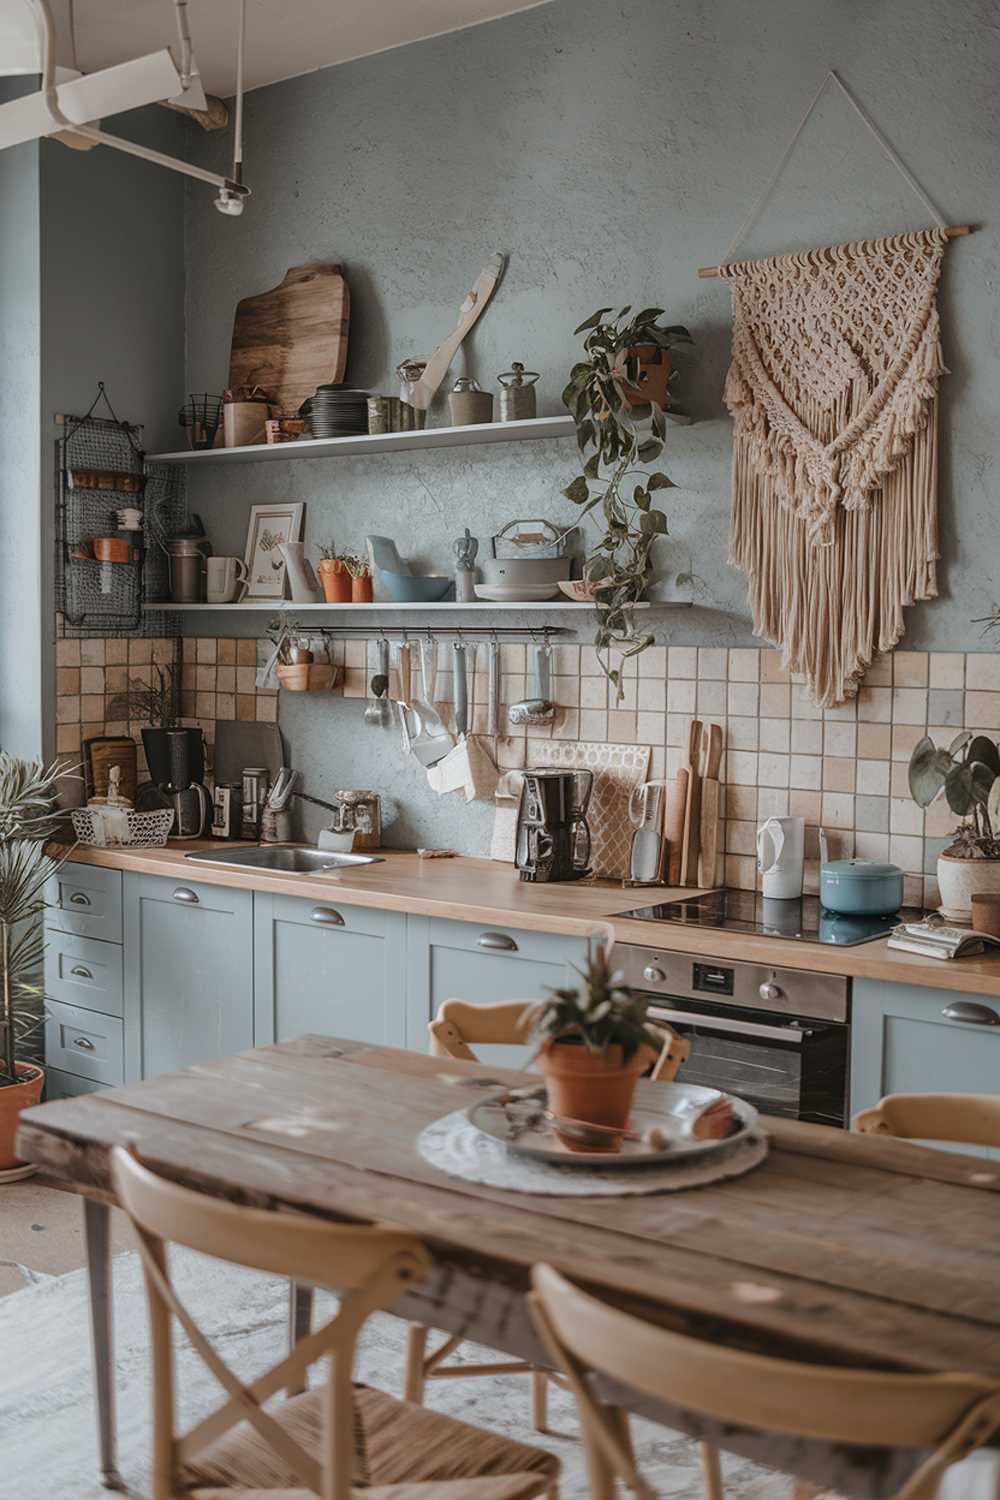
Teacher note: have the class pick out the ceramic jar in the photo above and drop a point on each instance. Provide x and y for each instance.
(961, 879)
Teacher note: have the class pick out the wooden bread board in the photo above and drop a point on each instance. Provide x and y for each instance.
(692, 810)
(294, 337)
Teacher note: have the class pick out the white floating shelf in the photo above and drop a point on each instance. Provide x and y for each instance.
(276, 606)
(387, 442)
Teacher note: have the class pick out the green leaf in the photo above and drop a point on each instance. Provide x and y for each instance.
(592, 467)
(592, 321)
(985, 751)
(584, 433)
(653, 523)
(650, 449)
(659, 421)
(982, 778)
(648, 315)
(926, 775)
(958, 788)
(640, 498)
(960, 741)
(578, 491)
(659, 481)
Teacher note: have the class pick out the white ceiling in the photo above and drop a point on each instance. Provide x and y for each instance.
(284, 37)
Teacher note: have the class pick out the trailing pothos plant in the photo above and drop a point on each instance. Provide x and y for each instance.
(616, 436)
(968, 773)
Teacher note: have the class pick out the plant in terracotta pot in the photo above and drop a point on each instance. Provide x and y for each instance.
(644, 359)
(335, 574)
(620, 429)
(968, 774)
(594, 1044)
(361, 579)
(27, 818)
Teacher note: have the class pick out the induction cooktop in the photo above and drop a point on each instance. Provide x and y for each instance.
(801, 920)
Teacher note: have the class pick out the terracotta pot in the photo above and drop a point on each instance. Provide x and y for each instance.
(961, 879)
(308, 677)
(655, 365)
(361, 589)
(583, 1085)
(13, 1099)
(336, 580)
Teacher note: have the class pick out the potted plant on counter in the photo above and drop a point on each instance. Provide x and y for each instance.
(27, 818)
(968, 773)
(620, 426)
(594, 1044)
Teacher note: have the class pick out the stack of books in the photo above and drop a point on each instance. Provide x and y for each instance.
(932, 940)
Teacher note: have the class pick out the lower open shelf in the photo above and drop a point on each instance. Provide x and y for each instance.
(276, 606)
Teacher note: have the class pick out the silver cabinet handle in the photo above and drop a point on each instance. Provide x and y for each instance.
(80, 972)
(497, 942)
(326, 916)
(726, 1023)
(971, 1013)
(84, 1042)
(79, 899)
(188, 898)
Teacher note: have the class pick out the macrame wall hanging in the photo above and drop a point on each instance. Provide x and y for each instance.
(833, 390)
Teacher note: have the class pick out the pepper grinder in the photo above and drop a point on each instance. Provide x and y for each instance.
(465, 549)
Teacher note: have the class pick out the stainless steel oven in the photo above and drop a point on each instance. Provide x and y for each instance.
(777, 1037)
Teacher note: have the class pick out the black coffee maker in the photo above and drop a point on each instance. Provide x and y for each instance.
(176, 760)
(553, 836)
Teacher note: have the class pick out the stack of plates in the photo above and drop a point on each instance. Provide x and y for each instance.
(337, 411)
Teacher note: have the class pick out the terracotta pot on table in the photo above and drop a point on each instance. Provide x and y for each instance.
(597, 1089)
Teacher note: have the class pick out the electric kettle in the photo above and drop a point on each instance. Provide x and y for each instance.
(781, 858)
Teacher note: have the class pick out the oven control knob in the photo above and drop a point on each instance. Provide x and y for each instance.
(770, 992)
(653, 975)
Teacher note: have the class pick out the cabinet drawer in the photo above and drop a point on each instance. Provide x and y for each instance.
(83, 971)
(60, 1085)
(84, 1043)
(86, 900)
(510, 942)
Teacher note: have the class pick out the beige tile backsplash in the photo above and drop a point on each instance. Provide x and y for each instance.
(844, 768)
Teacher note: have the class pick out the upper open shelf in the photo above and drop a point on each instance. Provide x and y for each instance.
(388, 442)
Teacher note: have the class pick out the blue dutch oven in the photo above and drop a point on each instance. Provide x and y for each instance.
(861, 887)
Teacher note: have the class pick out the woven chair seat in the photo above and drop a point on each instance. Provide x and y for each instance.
(397, 1447)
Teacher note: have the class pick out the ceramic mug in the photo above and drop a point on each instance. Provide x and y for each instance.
(781, 857)
(226, 579)
(129, 518)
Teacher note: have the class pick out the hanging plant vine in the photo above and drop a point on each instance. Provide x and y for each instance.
(604, 396)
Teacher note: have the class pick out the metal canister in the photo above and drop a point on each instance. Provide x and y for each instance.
(409, 372)
(362, 812)
(468, 403)
(227, 811)
(255, 785)
(517, 394)
(378, 414)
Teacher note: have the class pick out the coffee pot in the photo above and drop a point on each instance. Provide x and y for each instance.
(553, 837)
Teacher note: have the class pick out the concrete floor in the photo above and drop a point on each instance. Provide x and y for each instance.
(41, 1234)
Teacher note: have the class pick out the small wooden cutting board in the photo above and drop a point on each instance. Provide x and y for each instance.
(294, 337)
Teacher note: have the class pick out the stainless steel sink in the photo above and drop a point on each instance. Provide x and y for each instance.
(284, 860)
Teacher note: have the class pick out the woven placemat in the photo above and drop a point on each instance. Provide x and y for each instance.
(461, 1149)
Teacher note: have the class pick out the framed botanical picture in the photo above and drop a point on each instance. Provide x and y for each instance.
(270, 525)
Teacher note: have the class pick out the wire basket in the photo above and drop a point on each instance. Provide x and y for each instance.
(146, 830)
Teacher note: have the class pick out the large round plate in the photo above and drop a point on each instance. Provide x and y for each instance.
(516, 1118)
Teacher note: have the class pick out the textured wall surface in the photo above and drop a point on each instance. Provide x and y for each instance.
(610, 150)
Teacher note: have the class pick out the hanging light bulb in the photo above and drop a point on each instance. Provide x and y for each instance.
(228, 201)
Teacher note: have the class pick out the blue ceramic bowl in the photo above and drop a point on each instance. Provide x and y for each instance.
(406, 588)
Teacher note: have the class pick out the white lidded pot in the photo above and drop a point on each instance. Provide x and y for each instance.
(781, 857)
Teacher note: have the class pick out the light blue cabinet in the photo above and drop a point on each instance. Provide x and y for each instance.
(912, 1040)
(83, 980)
(334, 970)
(188, 974)
(471, 961)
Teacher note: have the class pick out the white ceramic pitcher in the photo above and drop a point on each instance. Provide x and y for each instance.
(781, 857)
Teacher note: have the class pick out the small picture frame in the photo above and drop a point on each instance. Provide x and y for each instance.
(270, 525)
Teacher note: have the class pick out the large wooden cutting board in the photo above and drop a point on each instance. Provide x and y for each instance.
(293, 338)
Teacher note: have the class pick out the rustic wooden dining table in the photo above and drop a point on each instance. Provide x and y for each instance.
(838, 1248)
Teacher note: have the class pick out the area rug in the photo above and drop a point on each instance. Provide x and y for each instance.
(46, 1407)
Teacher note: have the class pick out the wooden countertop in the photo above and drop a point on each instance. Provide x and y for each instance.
(484, 890)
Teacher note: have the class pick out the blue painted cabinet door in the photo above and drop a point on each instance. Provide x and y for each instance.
(328, 969)
(911, 1040)
(449, 960)
(188, 974)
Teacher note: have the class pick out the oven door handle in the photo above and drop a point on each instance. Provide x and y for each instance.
(720, 1023)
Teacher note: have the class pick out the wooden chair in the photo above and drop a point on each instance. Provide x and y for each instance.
(338, 1440)
(948, 1414)
(456, 1025)
(973, 1119)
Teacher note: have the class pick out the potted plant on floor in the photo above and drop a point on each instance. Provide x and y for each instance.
(620, 426)
(27, 805)
(968, 773)
(594, 1044)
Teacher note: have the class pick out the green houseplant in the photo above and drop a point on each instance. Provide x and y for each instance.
(593, 1044)
(609, 401)
(27, 818)
(968, 774)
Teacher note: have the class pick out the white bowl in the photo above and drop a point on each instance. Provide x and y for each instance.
(525, 593)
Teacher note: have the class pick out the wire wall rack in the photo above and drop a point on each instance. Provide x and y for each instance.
(109, 503)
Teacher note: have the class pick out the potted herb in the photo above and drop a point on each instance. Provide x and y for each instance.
(594, 1044)
(334, 569)
(612, 403)
(968, 773)
(361, 579)
(27, 818)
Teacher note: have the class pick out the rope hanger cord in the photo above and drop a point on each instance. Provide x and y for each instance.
(890, 152)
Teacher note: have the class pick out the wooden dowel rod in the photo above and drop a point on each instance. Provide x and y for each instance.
(953, 231)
